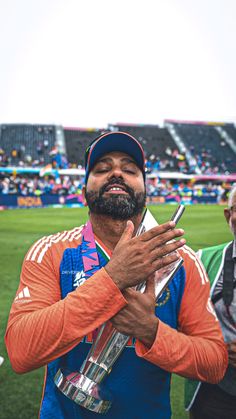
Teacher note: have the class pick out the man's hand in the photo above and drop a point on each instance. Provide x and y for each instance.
(138, 318)
(232, 353)
(135, 259)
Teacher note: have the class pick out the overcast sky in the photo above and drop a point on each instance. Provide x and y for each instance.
(92, 62)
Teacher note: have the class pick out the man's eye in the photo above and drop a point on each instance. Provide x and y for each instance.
(104, 170)
(130, 171)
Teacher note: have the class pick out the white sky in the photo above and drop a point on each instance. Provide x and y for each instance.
(92, 62)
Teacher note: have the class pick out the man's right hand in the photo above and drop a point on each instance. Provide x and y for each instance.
(136, 258)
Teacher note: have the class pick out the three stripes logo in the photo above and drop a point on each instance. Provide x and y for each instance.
(23, 295)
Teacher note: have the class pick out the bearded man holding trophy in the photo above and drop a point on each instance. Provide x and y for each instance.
(112, 308)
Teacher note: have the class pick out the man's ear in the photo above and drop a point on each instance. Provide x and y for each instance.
(83, 196)
(227, 214)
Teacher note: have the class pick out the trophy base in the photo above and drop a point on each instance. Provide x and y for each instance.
(83, 391)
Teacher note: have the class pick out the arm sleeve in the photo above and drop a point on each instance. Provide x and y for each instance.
(197, 350)
(42, 327)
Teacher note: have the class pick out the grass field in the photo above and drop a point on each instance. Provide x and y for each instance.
(20, 394)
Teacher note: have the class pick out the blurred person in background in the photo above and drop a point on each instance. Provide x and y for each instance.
(218, 401)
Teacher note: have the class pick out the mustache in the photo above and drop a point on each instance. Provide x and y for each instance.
(116, 181)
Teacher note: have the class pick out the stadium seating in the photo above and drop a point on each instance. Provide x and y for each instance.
(76, 142)
(27, 143)
(182, 147)
(212, 152)
(231, 131)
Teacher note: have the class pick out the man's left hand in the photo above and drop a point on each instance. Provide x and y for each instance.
(232, 353)
(137, 319)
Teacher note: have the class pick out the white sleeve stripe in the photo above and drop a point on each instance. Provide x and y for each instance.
(77, 236)
(42, 244)
(46, 247)
(198, 264)
(34, 246)
(39, 248)
(73, 236)
(199, 253)
(198, 260)
(44, 240)
(66, 235)
(192, 255)
(69, 233)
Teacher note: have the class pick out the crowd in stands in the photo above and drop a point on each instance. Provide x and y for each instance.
(18, 157)
(210, 145)
(186, 189)
(27, 144)
(35, 185)
(173, 160)
(207, 163)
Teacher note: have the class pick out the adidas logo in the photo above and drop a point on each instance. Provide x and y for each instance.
(23, 294)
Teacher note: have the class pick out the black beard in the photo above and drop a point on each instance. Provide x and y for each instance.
(117, 206)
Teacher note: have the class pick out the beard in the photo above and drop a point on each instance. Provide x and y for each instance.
(117, 206)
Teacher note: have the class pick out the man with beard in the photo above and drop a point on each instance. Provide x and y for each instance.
(73, 282)
(209, 401)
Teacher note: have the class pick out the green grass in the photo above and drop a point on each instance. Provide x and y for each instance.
(20, 394)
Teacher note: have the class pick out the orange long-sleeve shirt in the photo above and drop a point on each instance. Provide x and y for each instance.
(42, 326)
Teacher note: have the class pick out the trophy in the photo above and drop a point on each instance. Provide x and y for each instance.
(85, 387)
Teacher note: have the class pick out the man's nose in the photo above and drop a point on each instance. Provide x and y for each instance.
(116, 172)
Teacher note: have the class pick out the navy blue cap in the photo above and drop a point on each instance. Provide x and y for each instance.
(114, 141)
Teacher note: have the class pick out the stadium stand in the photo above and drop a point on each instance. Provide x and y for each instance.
(186, 162)
(192, 148)
(76, 142)
(212, 152)
(27, 144)
(231, 131)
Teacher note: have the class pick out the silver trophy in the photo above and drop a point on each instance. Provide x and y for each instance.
(85, 387)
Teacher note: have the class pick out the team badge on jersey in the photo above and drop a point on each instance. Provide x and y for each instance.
(164, 297)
